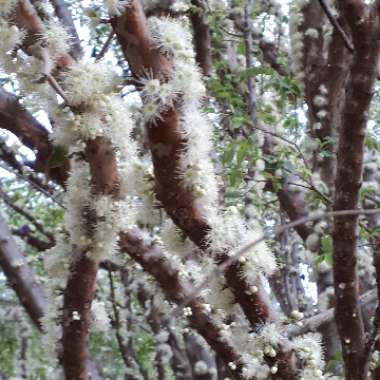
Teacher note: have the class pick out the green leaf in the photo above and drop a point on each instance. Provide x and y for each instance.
(242, 152)
(327, 249)
(254, 71)
(57, 158)
(228, 155)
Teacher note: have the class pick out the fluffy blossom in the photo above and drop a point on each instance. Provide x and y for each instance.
(100, 316)
(11, 36)
(116, 7)
(58, 39)
(88, 83)
(6, 7)
(229, 231)
(308, 349)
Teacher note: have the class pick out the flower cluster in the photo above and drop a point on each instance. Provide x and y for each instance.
(297, 38)
(309, 351)
(255, 348)
(116, 7)
(229, 231)
(184, 86)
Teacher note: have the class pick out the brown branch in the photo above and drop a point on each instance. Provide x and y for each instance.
(116, 324)
(80, 288)
(78, 296)
(34, 242)
(177, 290)
(248, 41)
(16, 119)
(355, 13)
(316, 321)
(176, 198)
(202, 35)
(106, 46)
(21, 276)
(347, 185)
(337, 26)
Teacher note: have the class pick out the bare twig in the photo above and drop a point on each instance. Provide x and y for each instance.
(314, 322)
(35, 185)
(25, 214)
(248, 42)
(219, 270)
(116, 322)
(106, 46)
(57, 88)
(337, 26)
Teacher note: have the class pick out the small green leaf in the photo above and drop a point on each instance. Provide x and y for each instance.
(57, 158)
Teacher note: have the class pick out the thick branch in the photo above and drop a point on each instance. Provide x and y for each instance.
(21, 276)
(16, 119)
(178, 290)
(202, 35)
(177, 198)
(347, 185)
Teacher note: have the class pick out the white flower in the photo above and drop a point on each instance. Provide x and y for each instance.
(271, 334)
(201, 368)
(11, 36)
(229, 231)
(308, 348)
(319, 101)
(322, 114)
(175, 242)
(116, 7)
(87, 83)
(313, 33)
(6, 7)
(171, 36)
(100, 316)
(58, 39)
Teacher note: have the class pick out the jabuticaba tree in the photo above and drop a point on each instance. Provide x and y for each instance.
(189, 189)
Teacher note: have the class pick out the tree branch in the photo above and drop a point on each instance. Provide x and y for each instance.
(16, 119)
(202, 35)
(337, 26)
(21, 276)
(347, 185)
(153, 260)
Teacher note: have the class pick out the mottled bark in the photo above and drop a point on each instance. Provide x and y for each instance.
(363, 72)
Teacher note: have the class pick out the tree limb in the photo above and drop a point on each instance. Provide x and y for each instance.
(347, 185)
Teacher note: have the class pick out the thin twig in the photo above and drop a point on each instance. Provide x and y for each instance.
(57, 88)
(25, 214)
(218, 271)
(106, 46)
(248, 42)
(337, 26)
(290, 142)
(35, 185)
(311, 187)
(314, 322)
(117, 322)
